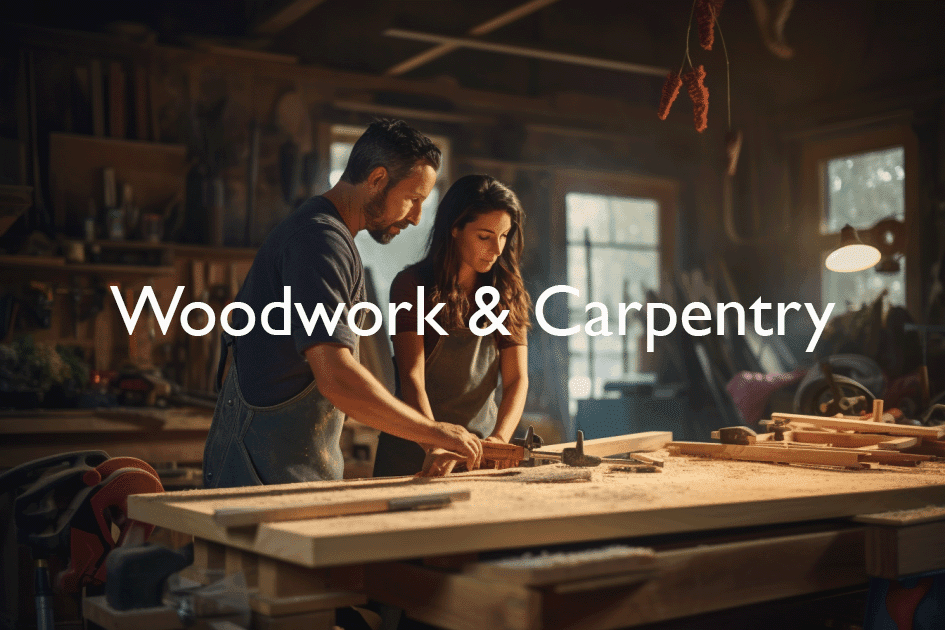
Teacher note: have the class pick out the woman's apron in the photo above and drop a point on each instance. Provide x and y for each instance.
(462, 374)
(298, 440)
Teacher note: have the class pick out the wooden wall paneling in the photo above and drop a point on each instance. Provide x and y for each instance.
(155, 171)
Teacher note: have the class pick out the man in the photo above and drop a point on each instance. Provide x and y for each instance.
(280, 412)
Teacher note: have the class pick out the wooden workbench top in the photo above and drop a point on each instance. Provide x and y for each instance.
(517, 508)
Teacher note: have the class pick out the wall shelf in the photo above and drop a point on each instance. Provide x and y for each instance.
(58, 266)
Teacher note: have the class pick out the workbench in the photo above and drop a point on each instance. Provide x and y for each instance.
(717, 534)
(158, 436)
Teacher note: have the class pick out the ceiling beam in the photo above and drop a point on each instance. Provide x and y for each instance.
(482, 29)
(533, 53)
(283, 17)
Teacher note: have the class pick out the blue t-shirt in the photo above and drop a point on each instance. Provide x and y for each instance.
(311, 251)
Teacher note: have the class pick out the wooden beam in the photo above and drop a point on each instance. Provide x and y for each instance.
(532, 53)
(854, 440)
(774, 454)
(603, 447)
(482, 29)
(864, 426)
(693, 580)
(895, 552)
(289, 13)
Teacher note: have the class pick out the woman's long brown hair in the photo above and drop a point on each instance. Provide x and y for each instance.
(468, 198)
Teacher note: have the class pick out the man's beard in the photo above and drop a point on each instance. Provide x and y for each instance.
(373, 213)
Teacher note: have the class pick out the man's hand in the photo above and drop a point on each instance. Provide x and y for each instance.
(439, 462)
(464, 444)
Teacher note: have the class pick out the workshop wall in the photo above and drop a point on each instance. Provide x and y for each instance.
(225, 107)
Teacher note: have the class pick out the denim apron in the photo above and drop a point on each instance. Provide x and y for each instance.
(297, 440)
(462, 374)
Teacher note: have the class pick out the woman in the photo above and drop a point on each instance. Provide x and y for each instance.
(476, 241)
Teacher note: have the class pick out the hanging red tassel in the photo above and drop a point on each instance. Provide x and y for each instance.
(706, 12)
(670, 92)
(699, 94)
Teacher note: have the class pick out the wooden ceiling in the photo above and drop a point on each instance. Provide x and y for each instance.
(840, 46)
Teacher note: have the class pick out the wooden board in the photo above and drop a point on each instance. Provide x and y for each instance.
(901, 518)
(602, 447)
(692, 494)
(895, 552)
(864, 426)
(97, 610)
(853, 440)
(692, 580)
(778, 454)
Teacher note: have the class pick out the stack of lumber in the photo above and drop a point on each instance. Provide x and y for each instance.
(842, 442)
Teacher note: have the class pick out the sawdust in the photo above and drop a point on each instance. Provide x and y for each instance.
(685, 482)
(927, 513)
(547, 560)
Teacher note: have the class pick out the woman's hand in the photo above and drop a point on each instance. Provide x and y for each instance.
(439, 462)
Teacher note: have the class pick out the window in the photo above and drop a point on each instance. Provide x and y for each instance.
(386, 261)
(613, 256)
(861, 190)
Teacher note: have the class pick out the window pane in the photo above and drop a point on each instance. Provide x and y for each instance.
(635, 221)
(864, 188)
(624, 232)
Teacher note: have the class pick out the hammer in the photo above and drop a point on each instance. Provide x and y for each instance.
(574, 456)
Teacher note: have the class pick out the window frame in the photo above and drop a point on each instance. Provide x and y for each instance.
(815, 155)
(664, 191)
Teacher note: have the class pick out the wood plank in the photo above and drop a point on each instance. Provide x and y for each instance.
(97, 610)
(864, 426)
(853, 440)
(602, 447)
(904, 517)
(566, 566)
(715, 577)
(241, 517)
(895, 552)
(692, 580)
(237, 561)
(778, 454)
(506, 513)
(279, 606)
(454, 601)
(929, 447)
(898, 444)
(868, 454)
(277, 579)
